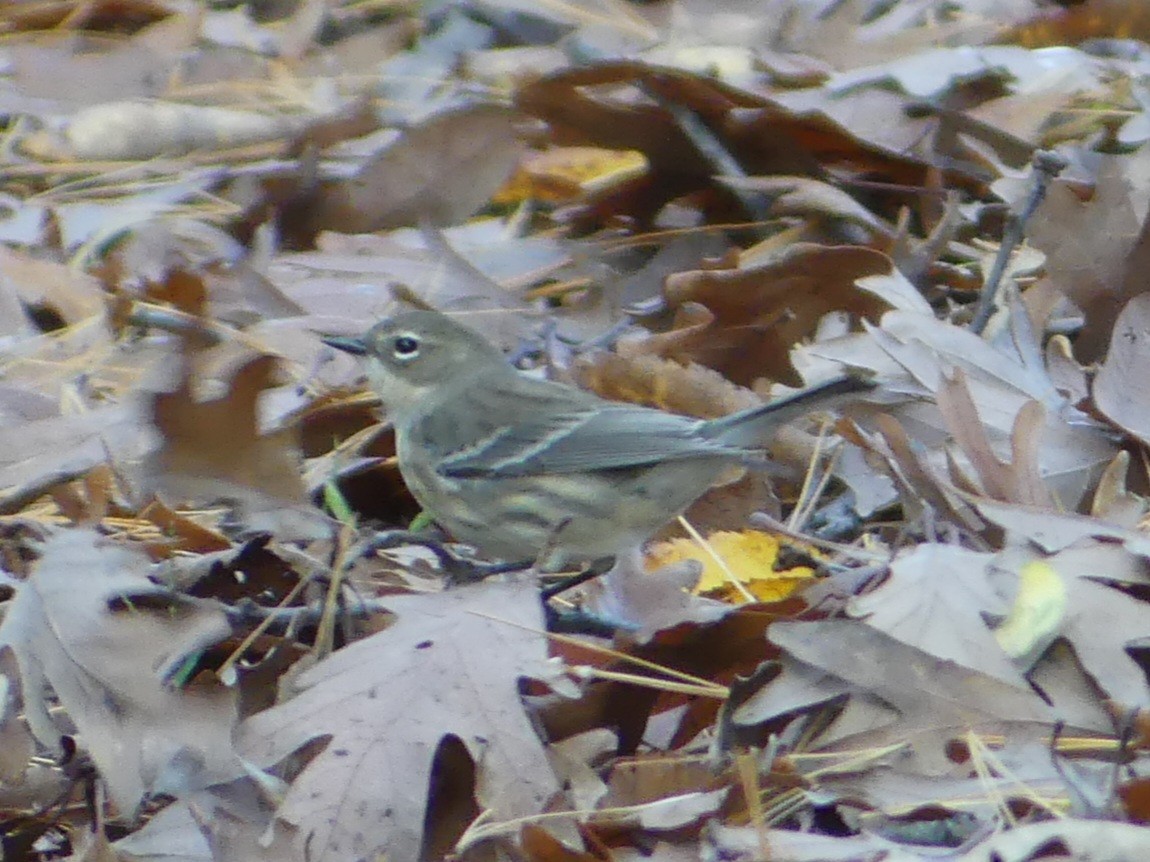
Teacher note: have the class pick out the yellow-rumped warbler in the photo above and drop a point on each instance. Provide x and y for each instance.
(517, 466)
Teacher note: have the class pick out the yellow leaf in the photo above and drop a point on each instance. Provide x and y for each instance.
(750, 555)
(1036, 618)
(565, 174)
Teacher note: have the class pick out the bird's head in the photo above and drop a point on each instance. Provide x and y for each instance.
(409, 355)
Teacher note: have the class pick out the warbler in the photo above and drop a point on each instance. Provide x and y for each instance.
(517, 466)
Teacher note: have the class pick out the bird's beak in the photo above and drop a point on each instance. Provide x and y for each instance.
(346, 343)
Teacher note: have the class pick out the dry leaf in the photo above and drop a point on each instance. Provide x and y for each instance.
(564, 174)
(52, 292)
(749, 555)
(214, 450)
(1096, 249)
(935, 599)
(1119, 389)
(145, 130)
(762, 311)
(934, 698)
(17, 745)
(440, 171)
(812, 199)
(89, 626)
(450, 665)
(1017, 481)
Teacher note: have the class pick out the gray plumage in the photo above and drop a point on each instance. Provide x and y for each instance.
(513, 464)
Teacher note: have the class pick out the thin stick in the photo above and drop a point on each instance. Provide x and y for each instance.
(325, 630)
(731, 577)
(764, 521)
(482, 828)
(602, 650)
(748, 772)
(1046, 165)
(227, 667)
(712, 690)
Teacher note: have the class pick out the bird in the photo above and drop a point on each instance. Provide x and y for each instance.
(533, 470)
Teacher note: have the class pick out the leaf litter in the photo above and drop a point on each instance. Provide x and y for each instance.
(937, 645)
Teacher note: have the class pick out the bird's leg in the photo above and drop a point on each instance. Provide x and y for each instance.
(597, 568)
(576, 621)
(460, 571)
(456, 569)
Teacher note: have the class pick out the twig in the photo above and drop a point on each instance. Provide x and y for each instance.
(709, 549)
(706, 143)
(709, 146)
(1046, 166)
(763, 521)
(249, 610)
(712, 690)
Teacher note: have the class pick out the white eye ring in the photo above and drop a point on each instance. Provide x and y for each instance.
(405, 347)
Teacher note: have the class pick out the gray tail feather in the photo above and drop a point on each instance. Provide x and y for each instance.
(750, 427)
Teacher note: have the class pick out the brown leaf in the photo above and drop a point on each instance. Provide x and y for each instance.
(623, 105)
(1113, 502)
(762, 311)
(17, 745)
(1017, 481)
(234, 838)
(616, 118)
(1054, 531)
(653, 381)
(55, 294)
(214, 450)
(1099, 19)
(633, 781)
(645, 603)
(934, 698)
(918, 481)
(812, 199)
(36, 455)
(441, 171)
(449, 665)
(1135, 796)
(914, 353)
(539, 845)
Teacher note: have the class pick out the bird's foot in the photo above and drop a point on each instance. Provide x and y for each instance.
(456, 569)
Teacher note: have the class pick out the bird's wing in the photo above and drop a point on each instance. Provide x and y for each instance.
(584, 438)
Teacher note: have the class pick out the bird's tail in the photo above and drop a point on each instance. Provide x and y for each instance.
(750, 427)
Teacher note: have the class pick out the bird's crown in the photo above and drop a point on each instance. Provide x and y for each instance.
(426, 346)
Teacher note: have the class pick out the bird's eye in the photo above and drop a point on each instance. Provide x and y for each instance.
(405, 347)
